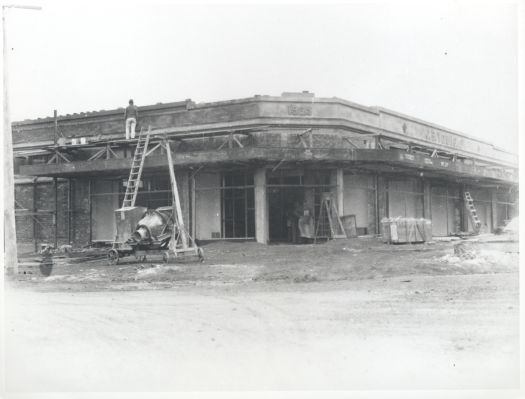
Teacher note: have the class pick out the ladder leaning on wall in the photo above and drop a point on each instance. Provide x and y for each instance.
(472, 212)
(135, 172)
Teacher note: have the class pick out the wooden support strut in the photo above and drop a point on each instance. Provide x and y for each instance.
(192, 176)
(350, 142)
(154, 148)
(176, 204)
(230, 139)
(110, 152)
(301, 138)
(277, 166)
(57, 156)
(107, 151)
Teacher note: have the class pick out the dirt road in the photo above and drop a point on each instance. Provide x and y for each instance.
(415, 331)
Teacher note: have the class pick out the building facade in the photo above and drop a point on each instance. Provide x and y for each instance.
(242, 166)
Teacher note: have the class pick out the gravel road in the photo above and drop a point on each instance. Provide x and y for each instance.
(414, 331)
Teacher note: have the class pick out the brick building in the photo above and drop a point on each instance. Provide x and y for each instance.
(241, 166)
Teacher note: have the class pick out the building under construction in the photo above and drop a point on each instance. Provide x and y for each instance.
(243, 165)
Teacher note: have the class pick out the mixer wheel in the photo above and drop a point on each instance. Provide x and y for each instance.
(113, 256)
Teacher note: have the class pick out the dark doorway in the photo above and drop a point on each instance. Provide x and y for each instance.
(282, 203)
(290, 194)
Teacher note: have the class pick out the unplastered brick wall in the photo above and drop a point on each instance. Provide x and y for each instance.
(94, 123)
(80, 218)
(34, 227)
(159, 116)
(24, 222)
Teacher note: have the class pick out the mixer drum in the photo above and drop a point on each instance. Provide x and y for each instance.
(150, 226)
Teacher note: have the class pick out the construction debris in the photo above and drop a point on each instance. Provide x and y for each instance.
(465, 250)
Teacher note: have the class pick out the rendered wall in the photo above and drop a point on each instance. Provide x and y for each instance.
(446, 209)
(104, 203)
(356, 198)
(207, 206)
(405, 198)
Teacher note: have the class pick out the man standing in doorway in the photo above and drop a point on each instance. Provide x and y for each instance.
(131, 115)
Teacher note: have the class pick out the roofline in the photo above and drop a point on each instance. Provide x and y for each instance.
(82, 115)
(441, 127)
(289, 97)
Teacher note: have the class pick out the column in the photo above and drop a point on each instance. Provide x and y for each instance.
(261, 206)
(427, 198)
(382, 201)
(193, 203)
(494, 208)
(373, 205)
(336, 178)
(340, 191)
(55, 219)
(465, 222)
(184, 197)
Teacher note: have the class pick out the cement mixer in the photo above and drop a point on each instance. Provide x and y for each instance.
(142, 232)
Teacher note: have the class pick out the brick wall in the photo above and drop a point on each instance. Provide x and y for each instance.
(35, 229)
(80, 218)
(382, 194)
(31, 230)
(371, 197)
(178, 114)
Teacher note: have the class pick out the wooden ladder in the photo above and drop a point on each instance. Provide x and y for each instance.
(473, 214)
(328, 215)
(136, 169)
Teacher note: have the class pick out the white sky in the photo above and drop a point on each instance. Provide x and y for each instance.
(454, 64)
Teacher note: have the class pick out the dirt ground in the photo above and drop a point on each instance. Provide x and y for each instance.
(349, 314)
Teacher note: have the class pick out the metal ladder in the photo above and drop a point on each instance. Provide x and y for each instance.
(136, 169)
(469, 204)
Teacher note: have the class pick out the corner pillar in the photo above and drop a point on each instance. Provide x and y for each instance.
(337, 180)
(261, 206)
(494, 209)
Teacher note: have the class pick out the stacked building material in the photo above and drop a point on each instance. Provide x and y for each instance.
(401, 230)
